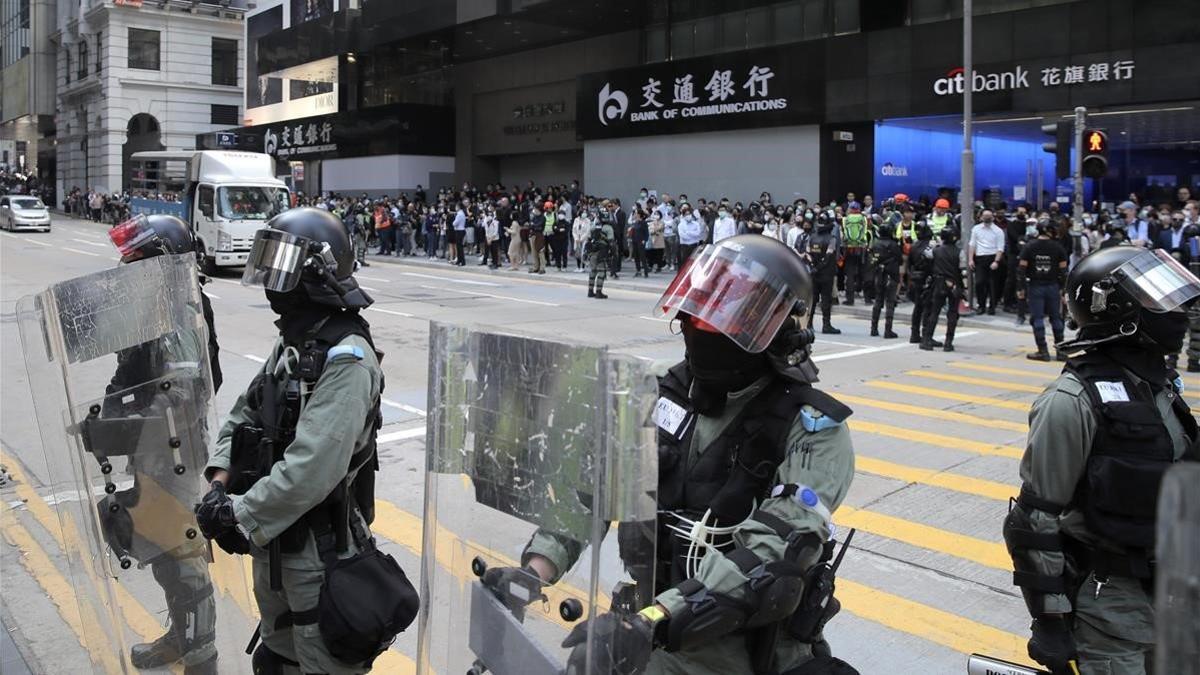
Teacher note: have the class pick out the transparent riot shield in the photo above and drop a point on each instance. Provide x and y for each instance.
(1177, 576)
(119, 371)
(539, 445)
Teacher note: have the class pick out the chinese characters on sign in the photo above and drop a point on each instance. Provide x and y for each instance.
(1096, 72)
(302, 139)
(722, 96)
(530, 124)
(539, 110)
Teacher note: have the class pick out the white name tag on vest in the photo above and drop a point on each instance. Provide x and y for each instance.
(669, 416)
(1112, 391)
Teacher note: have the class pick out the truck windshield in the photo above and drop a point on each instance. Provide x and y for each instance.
(250, 202)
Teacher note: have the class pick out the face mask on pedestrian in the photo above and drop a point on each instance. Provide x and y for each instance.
(722, 213)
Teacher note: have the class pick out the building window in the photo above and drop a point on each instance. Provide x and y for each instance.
(14, 31)
(225, 114)
(143, 49)
(99, 50)
(83, 58)
(66, 66)
(224, 61)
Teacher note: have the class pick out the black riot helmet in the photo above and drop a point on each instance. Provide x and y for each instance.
(825, 221)
(924, 232)
(145, 236)
(306, 252)
(1121, 293)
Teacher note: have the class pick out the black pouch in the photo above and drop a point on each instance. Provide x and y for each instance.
(365, 603)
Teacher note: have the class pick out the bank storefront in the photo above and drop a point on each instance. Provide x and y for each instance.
(881, 112)
(379, 150)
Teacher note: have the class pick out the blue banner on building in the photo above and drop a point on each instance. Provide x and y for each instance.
(152, 207)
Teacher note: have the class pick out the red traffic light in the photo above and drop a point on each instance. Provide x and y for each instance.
(1095, 153)
(1095, 142)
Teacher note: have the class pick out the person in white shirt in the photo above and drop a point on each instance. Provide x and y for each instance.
(579, 232)
(984, 255)
(725, 226)
(691, 232)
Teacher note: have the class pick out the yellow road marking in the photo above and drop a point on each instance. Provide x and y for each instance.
(1043, 377)
(949, 481)
(949, 395)
(987, 553)
(80, 618)
(946, 629)
(921, 411)
(939, 440)
(975, 381)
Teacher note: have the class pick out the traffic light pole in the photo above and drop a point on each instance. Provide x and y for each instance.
(1077, 204)
(966, 193)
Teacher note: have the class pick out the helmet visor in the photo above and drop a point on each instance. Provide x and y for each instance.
(738, 296)
(1157, 281)
(276, 261)
(130, 236)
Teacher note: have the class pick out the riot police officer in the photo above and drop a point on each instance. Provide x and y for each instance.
(885, 255)
(946, 289)
(599, 248)
(821, 252)
(920, 269)
(1082, 532)
(744, 388)
(181, 572)
(293, 466)
(1041, 270)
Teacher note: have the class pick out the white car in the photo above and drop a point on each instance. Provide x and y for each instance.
(21, 211)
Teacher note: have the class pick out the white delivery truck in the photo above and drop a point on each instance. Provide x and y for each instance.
(228, 196)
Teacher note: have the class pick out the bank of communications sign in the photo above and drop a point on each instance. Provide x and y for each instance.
(748, 89)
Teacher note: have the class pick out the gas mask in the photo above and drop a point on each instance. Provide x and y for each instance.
(718, 367)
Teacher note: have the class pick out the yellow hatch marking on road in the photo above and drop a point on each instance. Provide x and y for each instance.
(81, 619)
(949, 481)
(975, 381)
(949, 395)
(1043, 377)
(987, 553)
(939, 440)
(946, 629)
(921, 411)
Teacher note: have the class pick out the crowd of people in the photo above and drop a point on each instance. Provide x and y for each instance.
(101, 207)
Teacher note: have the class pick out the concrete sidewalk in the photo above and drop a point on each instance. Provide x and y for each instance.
(656, 284)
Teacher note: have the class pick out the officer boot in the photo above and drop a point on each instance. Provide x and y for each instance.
(591, 289)
(888, 333)
(191, 611)
(949, 345)
(915, 336)
(600, 289)
(827, 327)
(1059, 355)
(1042, 353)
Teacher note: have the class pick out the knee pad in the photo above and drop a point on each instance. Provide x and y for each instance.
(267, 662)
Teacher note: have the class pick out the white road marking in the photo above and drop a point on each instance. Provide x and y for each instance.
(492, 295)
(32, 241)
(666, 319)
(823, 341)
(363, 276)
(874, 350)
(256, 359)
(75, 250)
(456, 280)
(89, 243)
(402, 406)
(368, 288)
(389, 311)
(214, 296)
(400, 435)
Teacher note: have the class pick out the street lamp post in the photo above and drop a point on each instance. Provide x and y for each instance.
(966, 193)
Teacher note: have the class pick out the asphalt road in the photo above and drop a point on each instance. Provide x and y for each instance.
(937, 438)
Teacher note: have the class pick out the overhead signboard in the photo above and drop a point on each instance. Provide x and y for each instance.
(756, 88)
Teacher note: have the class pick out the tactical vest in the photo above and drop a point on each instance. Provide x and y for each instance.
(938, 223)
(278, 407)
(735, 470)
(1132, 449)
(920, 261)
(854, 228)
(819, 254)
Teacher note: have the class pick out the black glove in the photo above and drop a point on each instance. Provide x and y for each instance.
(622, 644)
(1053, 646)
(214, 513)
(516, 587)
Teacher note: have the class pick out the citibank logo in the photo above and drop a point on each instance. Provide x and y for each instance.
(952, 83)
(889, 169)
(612, 104)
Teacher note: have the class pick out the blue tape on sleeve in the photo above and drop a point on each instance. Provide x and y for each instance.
(340, 350)
(814, 424)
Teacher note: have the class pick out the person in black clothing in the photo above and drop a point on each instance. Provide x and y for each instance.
(1014, 234)
(619, 225)
(947, 289)
(885, 255)
(920, 267)
(821, 253)
(1042, 271)
(639, 236)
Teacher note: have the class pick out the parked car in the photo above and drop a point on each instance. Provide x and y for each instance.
(20, 212)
